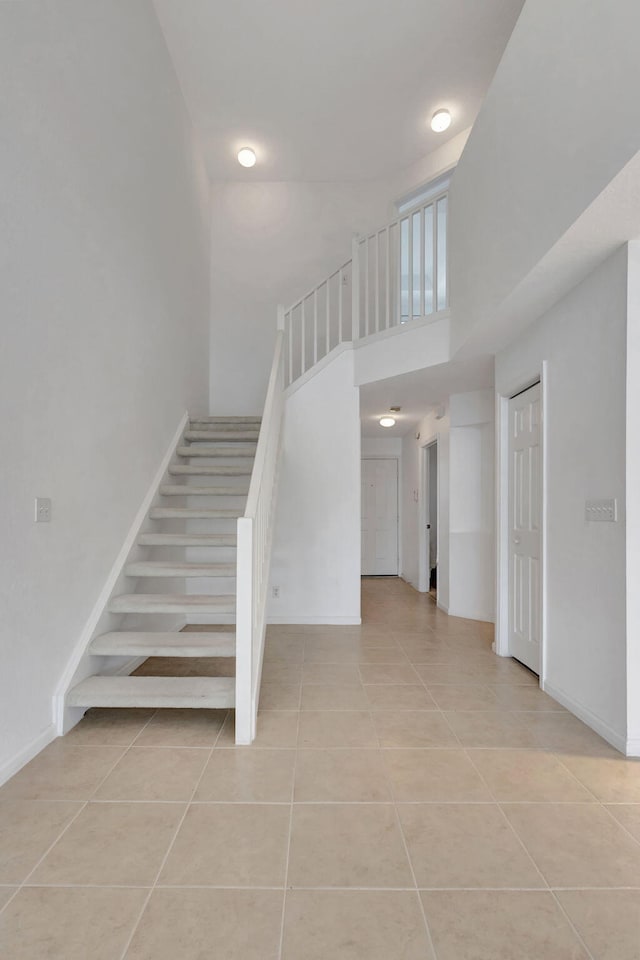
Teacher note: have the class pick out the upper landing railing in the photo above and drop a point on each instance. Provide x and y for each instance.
(395, 275)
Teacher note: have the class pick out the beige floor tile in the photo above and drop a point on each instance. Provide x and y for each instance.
(522, 697)
(280, 671)
(199, 924)
(607, 920)
(613, 779)
(527, 775)
(182, 728)
(280, 696)
(230, 845)
(493, 670)
(488, 729)
(628, 815)
(577, 845)
(333, 696)
(112, 843)
(465, 845)
(324, 650)
(109, 727)
(500, 925)
(275, 728)
(340, 673)
(27, 830)
(354, 925)
(398, 696)
(412, 728)
(430, 652)
(5, 895)
(290, 649)
(340, 775)
(564, 733)
(346, 728)
(63, 771)
(353, 845)
(47, 923)
(456, 696)
(382, 655)
(440, 775)
(388, 673)
(248, 776)
(155, 773)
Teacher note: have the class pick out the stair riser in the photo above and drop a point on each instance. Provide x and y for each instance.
(210, 609)
(187, 540)
(228, 453)
(193, 513)
(188, 644)
(210, 470)
(228, 572)
(192, 490)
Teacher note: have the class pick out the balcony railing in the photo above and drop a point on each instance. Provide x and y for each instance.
(396, 275)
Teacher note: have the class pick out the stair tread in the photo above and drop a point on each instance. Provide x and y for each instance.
(211, 470)
(178, 692)
(231, 420)
(234, 437)
(219, 452)
(165, 568)
(187, 539)
(188, 644)
(195, 513)
(172, 603)
(189, 490)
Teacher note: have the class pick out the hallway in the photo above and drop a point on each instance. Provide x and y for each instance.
(409, 796)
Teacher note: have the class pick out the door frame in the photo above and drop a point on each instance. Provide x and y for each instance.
(501, 643)
(387, 456)
(423, 510)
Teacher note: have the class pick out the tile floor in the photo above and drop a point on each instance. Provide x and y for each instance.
(409, 797)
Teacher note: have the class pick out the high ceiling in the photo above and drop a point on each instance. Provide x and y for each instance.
(416, 393)
(331, 89)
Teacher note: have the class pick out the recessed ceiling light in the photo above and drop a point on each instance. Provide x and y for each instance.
(441, 121)
(246, 157)
(387, 422)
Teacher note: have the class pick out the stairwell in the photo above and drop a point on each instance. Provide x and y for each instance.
(197, 523)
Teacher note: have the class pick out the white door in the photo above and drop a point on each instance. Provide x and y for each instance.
(379, 517)
(525, 510)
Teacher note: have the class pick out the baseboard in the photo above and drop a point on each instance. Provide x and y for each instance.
(482, 617)
(79, 664)
(633, 747)
(617, 740)
(442, 607)
(329, 621)
(10, 767)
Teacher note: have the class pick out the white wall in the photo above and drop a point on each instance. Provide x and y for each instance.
(583, 342)
(104, 278)
(316, 557)
(558, 123)
(472, 499)
(633, 500)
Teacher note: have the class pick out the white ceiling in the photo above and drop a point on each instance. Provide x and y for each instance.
(418, 392)
(331, 89)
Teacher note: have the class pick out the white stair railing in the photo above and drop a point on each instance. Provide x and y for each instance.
(396, 275)
(255, 536)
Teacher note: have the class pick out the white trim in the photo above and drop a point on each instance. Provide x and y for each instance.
(633, 747)
(63, 720)
(335, 621)
(442, 607)
(419, 196)
(617, 740)
(464, 615)
(18, 760)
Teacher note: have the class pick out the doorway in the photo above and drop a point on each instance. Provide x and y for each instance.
(525, 528)
(379, 479)
(428, 520)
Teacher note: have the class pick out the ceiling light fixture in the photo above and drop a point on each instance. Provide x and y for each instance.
(441, 120)
(246, 157)
(387, 422)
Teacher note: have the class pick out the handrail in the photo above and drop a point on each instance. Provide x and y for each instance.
(396, 274)
(255, 536)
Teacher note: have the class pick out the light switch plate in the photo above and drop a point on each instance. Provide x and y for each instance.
(43, 510)
(601, 510)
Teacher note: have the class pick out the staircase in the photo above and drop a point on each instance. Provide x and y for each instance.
(199, 513)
